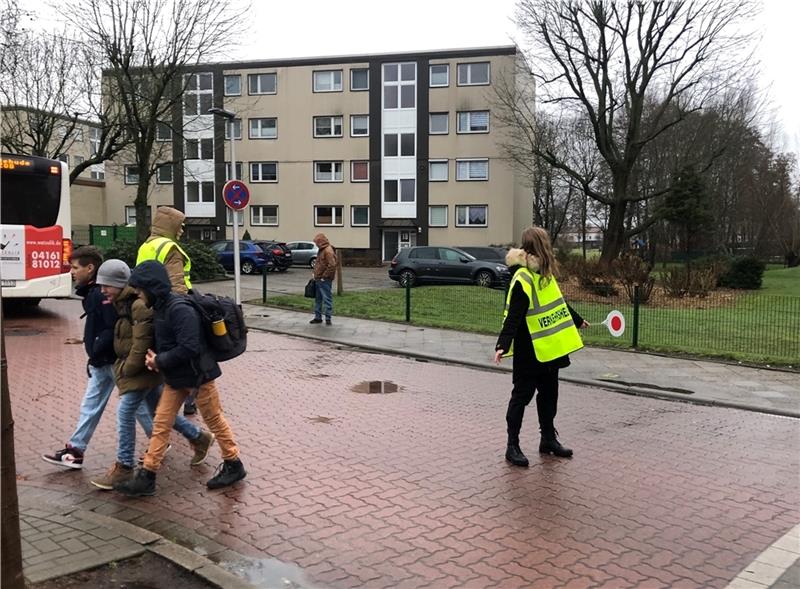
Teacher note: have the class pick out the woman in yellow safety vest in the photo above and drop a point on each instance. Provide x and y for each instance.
(539, 330)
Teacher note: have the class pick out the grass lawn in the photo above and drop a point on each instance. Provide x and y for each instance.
(781, 281)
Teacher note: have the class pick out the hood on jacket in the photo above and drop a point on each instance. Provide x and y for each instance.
(321, 240)
(519, 257)
(125, 299)
(152, 278)
(167, 222)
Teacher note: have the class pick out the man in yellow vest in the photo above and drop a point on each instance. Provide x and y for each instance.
(163, 246)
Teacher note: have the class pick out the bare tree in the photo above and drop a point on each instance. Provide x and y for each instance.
(150, 50)
(608, 60)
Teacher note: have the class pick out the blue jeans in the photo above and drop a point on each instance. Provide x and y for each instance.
(98, 390)
(324, 299)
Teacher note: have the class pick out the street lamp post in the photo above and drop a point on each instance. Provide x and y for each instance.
(229, 117)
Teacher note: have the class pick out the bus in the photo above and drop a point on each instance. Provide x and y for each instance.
(35, 228)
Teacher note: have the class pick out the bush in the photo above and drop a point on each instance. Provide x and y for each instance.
(680, 282)
(204, 260)
(122, 250)
(592, 276)
(744, 273)
(632, 271)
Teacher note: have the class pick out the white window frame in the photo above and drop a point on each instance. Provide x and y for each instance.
(352, 167)
(333, 215)
(468, 161)
(237, 129)
(225, 84)
(468, 118)
(332, 119)
(205, 192)
(259, 126)
(468, 224)
(94, 140)
(353, 215)
(197, 154)
(469, 67)
(430, 120)
(258, 221)
(239, 171)
(399, 143)
(331, 75)
(159, 180)
(198, 93)
(97, 174)
(333, 177)
(352, 126)
(446, 163)
(257, 177)
(430, 75)
(257, 77)
(229, 217)
(358, 69)
(128, 177)
(446, 215)
(399, 83)
(399, 182)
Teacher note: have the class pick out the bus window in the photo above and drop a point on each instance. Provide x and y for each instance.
(30, 198)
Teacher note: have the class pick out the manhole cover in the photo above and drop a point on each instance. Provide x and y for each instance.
(23, 331)
(376, 387)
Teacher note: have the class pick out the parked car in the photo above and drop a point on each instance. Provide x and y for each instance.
(415, 265)
(486, 254)
(281, 255)
(303, 252)
(252, 258)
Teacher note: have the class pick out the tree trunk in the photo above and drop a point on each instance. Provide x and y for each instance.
(614, 239)
(142, 226)
(11, 548)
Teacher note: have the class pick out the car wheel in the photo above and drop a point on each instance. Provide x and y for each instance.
(248, 267)
(312, 262)
(407, 278)
(484, 278)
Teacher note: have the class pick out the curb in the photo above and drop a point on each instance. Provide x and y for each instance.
(625, 389)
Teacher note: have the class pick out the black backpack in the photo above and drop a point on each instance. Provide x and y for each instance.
(213, 309)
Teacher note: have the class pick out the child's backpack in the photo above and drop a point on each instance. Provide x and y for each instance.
(223, 324)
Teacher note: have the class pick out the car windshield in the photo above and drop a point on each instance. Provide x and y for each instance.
(470, 257)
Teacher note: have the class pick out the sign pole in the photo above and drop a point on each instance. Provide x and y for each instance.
(237, 286)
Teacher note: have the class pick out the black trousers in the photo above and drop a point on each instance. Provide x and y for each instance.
(546, 403)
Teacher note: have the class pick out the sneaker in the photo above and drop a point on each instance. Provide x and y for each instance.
(67, 458)
(226, 474)
(142, 484)
(328, 322)
(189, 409)
(140, 461)
(316, 320)
(116, 474)
(201, 447)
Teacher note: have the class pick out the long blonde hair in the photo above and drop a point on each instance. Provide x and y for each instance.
(536, 242)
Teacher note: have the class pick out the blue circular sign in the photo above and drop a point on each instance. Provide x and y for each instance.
(236, 194)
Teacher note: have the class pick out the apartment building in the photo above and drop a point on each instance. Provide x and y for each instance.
(377, 151)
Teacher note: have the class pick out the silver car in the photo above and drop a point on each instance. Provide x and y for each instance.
(303, 252)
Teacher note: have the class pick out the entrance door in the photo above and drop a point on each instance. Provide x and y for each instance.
(391, 244)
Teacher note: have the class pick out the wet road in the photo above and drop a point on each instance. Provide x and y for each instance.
(365, 485)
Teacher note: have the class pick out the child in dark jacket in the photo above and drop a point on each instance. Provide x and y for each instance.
(98, 339)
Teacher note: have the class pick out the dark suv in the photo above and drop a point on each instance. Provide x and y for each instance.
(415, 265)
(281, 255)
(252, 258)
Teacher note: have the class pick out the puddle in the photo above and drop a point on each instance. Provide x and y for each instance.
(376, 387)
(269, 573)
(23, 331)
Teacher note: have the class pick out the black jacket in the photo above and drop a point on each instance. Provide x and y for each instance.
(98, 333)
(525, 365)
(182, 354)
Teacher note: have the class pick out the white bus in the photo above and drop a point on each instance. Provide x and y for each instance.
(35, 228)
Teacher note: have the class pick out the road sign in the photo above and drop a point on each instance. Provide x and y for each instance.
(236, 194)
(615, 323)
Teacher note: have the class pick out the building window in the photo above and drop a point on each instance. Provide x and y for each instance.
(264, 128)
(229, 217)
(198, 94)
(438, 171)
(97, 173)
(359, 79)
(199, 192)
(164, 174)
(233, 85)
(262, 83)
(327, 171)
(130, 215)
(94, 140)
(440, 75)
(472, 170)
(359, 125)
(163, 131)
(398, 144)
(473, 121)
(328, 126)
(264, 215)
(131, 174)
(359, 171)
(439, 123)
(399, 85)
(78, 159)
(237, 129)
(402, 190)
(473, 74)
(238, 171)
(471, 215)
(199, 149)
(264, 172)
(437, 215)
(328, 81)
(328, 215)
(359, 216)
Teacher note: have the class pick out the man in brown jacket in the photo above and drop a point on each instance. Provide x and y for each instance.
(324, 273)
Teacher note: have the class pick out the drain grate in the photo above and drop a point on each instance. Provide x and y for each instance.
(376, 387)
(23, 331)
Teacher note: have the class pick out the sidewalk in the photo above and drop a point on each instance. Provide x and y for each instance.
(695, 381)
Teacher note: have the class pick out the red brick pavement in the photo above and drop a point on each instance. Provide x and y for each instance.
(410, 489)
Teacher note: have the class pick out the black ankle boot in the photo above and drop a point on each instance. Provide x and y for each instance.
(142, 484)
(550, 445)
(515, 456)
(228, 473)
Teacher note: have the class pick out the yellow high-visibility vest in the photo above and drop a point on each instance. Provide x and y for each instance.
(158, 248)
(550, 324)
